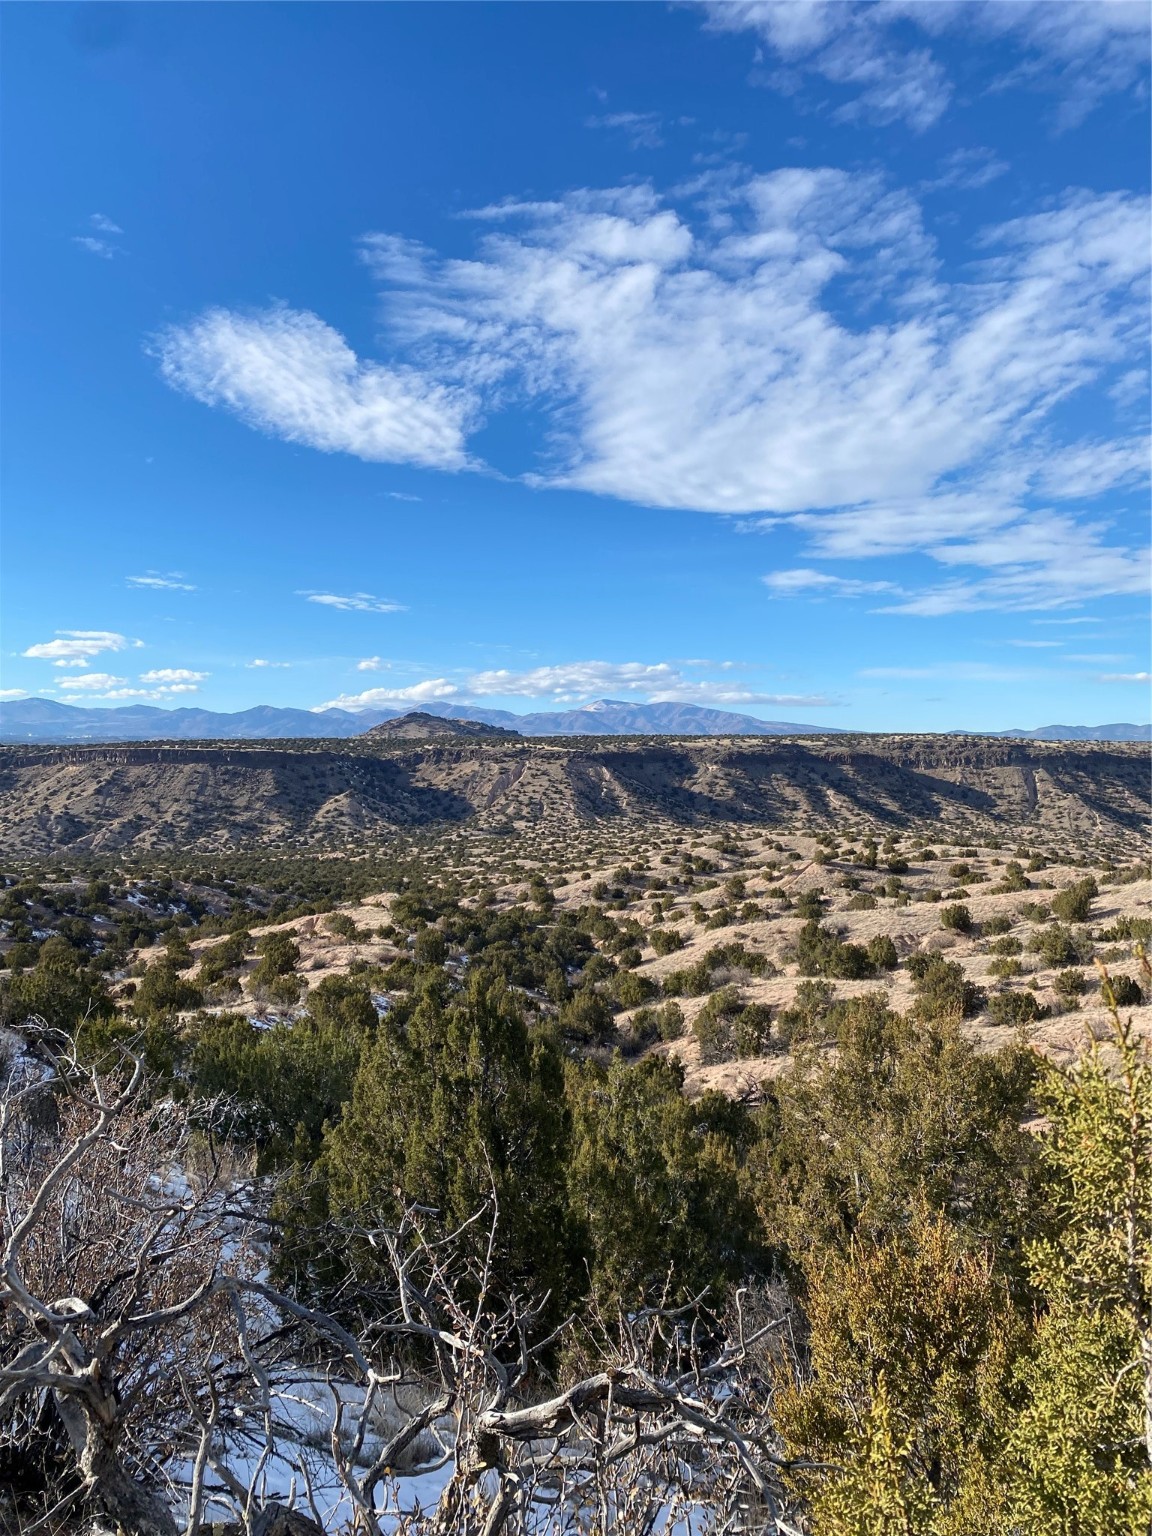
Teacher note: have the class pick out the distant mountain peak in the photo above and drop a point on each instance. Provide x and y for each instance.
(46, 721)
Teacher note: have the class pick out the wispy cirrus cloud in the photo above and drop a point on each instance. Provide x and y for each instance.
(641, 129)
(98, 243)
(354, 602)
(1126, 677)
(1078, 50)
(958, 672)
(160, 581)
(811, 583)
(261, 661)
(785, 345)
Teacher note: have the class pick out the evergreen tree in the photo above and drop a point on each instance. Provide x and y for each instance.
(654, 1183)
(459, 1100)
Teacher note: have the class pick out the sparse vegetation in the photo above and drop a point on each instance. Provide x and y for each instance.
(786, 1105)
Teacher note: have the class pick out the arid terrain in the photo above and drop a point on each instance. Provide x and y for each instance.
(681, 898)
(212, 797)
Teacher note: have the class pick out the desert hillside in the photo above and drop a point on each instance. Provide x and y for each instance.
(299, 795)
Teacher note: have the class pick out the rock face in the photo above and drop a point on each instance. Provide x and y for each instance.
(418, 726)
(226, 796)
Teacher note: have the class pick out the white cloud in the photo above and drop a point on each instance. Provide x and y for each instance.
(94, 244)
(99, 248)
(641, 129)
(959, 672)
(77, 646)
(968, 170)
(1043, 560)
(788, 346)
(844, 44)
(724, 696)
(355, 602)
(1038, 645)
(260, 661)
(173, 675)
(373, 664)
(1081, 49)
(819, 583)
(1126, 677)
(13, 693)
(577, 680)
(1085, 470)
(403, 496)
(155, 695)
(429, 692)
(574, 682)
(1022, 560)
(286, 373)
(97, 682)
(1081, 619)
(171, 582)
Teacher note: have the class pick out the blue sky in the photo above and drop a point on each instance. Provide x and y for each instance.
(787, 358)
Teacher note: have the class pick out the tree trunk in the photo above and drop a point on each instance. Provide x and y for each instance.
(120, 1497)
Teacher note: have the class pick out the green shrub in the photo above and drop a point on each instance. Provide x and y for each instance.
(1007, 945)
(223, 958)
(588, 1017)
(1035, 912)
(1074, 902)
(862, 902)
(430, 947)
(1126, 991)
(630, 988)
(820, 952)
(1138, 929)
(942, 990)
(1005, 966)
(882, 952)
(670, 1021)
(713, 1025)
(956, 918)
(1014, 878)
(1013, 1009)
(1070, 987)
(807, 1016)
(163, 990)
(1055, 945)
(665, 941)
(996, 925)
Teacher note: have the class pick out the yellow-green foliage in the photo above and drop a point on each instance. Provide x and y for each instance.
(911, 1342)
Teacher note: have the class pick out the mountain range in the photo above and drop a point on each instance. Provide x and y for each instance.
(44, 721)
